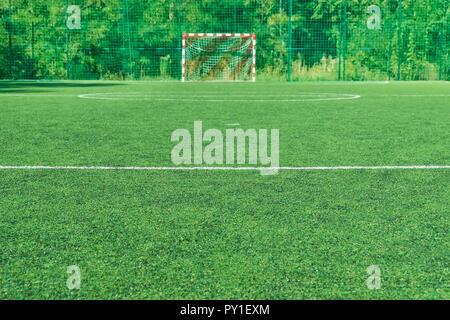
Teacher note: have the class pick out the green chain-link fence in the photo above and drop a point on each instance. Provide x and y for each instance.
(296, 39)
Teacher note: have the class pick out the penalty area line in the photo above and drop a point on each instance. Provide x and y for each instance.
(223, 168)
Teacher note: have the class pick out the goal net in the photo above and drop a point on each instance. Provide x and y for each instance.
(219, 57)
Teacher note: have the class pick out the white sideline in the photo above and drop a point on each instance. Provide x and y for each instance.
(223, 168)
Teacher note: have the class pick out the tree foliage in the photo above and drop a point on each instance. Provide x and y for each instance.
(140, 39)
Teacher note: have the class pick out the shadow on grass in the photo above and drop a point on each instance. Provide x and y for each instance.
(36, 86)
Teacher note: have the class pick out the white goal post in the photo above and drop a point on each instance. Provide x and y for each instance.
(219, 57)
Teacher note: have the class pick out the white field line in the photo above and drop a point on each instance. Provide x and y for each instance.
(212, 94)
(207, 98)
(195, 97)
(223, 168)
(230, 97)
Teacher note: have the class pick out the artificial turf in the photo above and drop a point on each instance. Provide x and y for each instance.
(224, 234)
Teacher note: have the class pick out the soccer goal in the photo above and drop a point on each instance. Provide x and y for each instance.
(219, 57)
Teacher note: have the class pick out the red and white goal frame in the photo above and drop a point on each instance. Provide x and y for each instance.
(224, 36)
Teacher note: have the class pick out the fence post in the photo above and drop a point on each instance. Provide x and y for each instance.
(10, 42)
(442, 43)
(235, 18)
(235, 30)
(32, 51)
(338, 48)
(390, 52)
(67, 41)
(125, 15)
(180, 36)
(85, 45)
(344, 45)
(290, 41)
(399, 54)
(122, 50)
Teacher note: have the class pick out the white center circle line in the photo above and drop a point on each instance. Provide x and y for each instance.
(230, 98)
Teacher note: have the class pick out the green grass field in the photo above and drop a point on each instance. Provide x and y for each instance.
(138, 234)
